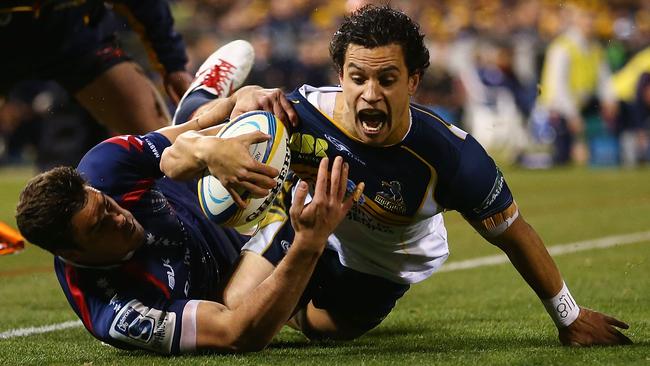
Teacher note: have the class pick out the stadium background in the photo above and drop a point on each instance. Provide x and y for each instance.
(486, 60)
(479, 314)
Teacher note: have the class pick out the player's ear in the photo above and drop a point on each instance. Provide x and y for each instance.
(414, 81)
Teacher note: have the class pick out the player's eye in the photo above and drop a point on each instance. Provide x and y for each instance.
(387, 81)
(359, 80)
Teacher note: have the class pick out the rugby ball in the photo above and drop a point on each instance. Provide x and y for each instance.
(216, 203)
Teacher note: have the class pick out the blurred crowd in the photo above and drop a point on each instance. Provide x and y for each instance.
(538, 82)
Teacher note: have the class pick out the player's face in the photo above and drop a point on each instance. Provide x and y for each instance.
(376, 90)
(105, 232)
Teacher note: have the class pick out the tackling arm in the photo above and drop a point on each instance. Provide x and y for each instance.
(251, 325)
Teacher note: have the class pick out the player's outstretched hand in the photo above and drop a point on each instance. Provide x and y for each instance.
(594, 328)
(250, 98)
(315, 221)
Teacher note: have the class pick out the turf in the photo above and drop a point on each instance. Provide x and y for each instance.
(484, 315)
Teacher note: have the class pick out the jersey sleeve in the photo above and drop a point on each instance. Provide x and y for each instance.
(124, 165)
(478, 190)
(126, 319)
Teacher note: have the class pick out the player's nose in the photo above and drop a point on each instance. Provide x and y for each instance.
(371, 92)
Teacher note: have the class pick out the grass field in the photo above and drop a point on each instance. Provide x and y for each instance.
(482, 315)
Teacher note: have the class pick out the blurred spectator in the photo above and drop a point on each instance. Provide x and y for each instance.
(487, 50)
(631, 85)
(443, 93)
(574, 74)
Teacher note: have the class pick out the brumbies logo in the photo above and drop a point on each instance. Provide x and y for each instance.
(390, 197)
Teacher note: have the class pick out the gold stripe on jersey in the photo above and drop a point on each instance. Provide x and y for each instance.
(382, 215)
(453, 129)
(432, 180)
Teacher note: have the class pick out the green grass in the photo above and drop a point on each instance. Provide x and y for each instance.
(485, 315)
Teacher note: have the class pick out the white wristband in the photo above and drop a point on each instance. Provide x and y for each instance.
(562, 308)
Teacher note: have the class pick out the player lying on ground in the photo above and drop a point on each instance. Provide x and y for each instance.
(143, 267)
(415, 166)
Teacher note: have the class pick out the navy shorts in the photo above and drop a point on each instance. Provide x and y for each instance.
(56, 49)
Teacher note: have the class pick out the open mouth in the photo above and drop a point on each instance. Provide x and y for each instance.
(372, 120)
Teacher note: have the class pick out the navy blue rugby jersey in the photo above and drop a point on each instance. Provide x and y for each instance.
(397, 232)
(149, 300)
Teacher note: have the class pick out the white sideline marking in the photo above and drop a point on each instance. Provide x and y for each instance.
(24, 332)
(606, 242)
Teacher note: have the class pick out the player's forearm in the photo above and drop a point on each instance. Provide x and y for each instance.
(270, 305)
(527, 252)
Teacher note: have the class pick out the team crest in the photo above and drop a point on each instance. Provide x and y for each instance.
(390, 197)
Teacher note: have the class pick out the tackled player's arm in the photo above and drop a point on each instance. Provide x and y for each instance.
(526, 251)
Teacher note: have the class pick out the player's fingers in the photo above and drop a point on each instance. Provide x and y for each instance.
(298, 201)
(264, 169)
(321, 180)
(354, 197)
(622, 338)
(260, 180)
(343, 185)
(255, 190)
(335, 179)
(255, 137)
(237, 198)
(615, 322)
(287, 107)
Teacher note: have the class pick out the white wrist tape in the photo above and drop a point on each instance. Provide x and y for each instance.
(562, 307)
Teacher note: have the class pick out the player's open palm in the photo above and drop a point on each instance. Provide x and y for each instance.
(316, 220)
(594, 328)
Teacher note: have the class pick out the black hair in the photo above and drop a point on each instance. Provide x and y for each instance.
(374, 26)
(46, 207)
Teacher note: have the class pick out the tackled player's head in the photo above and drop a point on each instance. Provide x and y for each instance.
(46, 206)
(380, 56)
(59, 212)
(374, 26)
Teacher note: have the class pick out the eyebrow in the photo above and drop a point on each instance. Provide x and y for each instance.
(384, 70)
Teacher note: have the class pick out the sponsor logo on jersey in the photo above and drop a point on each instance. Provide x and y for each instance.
(153, 148)
(390, 197)
(497, 187)
(171, 278)
(135, 325)
(338, 145)
(308, 147)
(143, 326)
(357, 214)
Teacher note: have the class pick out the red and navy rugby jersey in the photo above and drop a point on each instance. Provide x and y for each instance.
(140, 303)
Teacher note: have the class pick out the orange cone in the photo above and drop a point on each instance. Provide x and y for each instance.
(10, 240)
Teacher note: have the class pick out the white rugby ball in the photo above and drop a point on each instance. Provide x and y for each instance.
(217, 204)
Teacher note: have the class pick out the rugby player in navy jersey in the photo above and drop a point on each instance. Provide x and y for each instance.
(415, 166)
(139, 262)
(74, 43)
